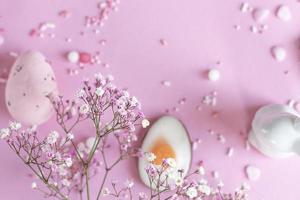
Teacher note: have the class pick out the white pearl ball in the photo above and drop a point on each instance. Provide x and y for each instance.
(279, 53)
(214, 75)
(73, 56)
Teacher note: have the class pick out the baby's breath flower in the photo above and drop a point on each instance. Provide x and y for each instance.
(52, 138)
(66, 182)
(192, 192)
(145, 123)
(129, 183)
(4, 133)
(201, 170)
(99, 91)
(80, 93)
(205, 189)
(69, 162)
(150, 157)
(105, 192)
(70, 136)
(179, 181)
(171, 162)
(14, 126)
(33, 185)
(84, 109)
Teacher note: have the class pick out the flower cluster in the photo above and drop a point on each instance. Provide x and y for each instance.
(167, 181)
(49, 159)
(64, 164)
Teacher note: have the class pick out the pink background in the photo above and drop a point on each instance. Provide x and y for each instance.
(198, 33)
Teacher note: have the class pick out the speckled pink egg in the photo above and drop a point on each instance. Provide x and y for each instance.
(30, 81)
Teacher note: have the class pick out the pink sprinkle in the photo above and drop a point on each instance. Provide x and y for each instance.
(163, 42)
(221, 138)
(176, 109)
(106, 65)
(166, 83)
(102, 42)
(229, 152)
(33, 32)
(65, 14)
(199, 108)
(182, 101)
(84, 57)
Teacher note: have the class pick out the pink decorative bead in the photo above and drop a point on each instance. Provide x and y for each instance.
(85, 57)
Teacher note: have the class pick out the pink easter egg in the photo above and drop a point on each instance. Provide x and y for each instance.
(30, 81)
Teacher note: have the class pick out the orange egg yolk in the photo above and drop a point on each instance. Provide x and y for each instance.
(162, 150)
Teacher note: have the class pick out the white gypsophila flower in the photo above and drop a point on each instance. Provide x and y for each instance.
(52, 138)
(62, 170)
(70, 136)
(68, 162)
(33, 185)
(171, 162)
(145, 123)
(14, 126)
(84, 109)
(205, 189)
(98, 76)
(99, 91)
(129, 183)
(134, 101)
(4, 133)
(80, 93)
(105, 192)
(201, 170)
(150, 157)
(179, 181)
(66, 182)
(191, 192)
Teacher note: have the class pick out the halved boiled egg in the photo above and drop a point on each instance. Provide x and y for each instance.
(166, 139)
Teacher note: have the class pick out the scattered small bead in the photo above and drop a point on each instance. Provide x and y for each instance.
(237, 27)
(46, 25)
(199, 108)
(65, 14)
(245, 7)
(166, 83)
(215, 174)
(103, 42)
(230, 152)
(84, 57)
(221, 138)
(253, 173)
(176, 109)
(254, 29)
(68, 39)
(214, 75)
(163, 42)
(260, 14)
(284, 13)
(73, 57)
(182, 101)
(279, 53)
(210, 99)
